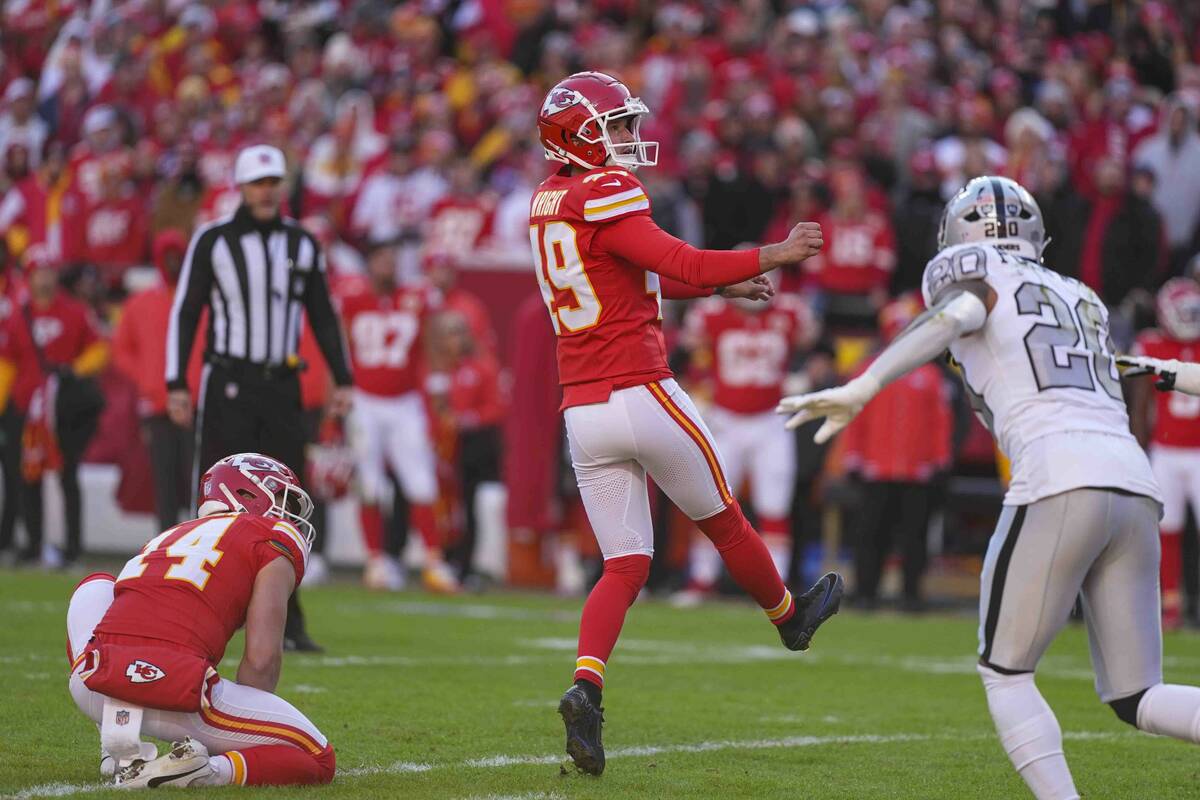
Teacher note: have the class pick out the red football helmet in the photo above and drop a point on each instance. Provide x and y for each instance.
(331, 462)
(258, 485)
(1179, 309)
(573, 123)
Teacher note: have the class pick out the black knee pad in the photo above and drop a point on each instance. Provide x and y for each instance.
(1126, 707)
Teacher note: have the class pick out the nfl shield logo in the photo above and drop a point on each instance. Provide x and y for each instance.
(122, 717)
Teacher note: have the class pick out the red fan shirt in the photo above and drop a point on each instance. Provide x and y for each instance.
(191, 585)
(384, 335)
(62, 331)
(749, 350)
(884, 444)
(112, 234)
(1176, 415)
(599, 258)
(858, 256)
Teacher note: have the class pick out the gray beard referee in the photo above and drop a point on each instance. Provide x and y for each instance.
(257, 273)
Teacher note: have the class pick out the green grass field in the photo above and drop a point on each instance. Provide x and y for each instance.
(439, 698)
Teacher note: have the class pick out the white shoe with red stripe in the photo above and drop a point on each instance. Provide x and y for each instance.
(185, 765)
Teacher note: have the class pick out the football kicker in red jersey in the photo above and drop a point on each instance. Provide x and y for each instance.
(144, 646)
(603, 267)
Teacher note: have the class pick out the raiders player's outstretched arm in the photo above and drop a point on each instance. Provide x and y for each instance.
(638, 240)
(958, 313)
(265, 618)
(1178, 376)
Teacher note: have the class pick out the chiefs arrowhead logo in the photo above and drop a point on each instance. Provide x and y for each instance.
(560, 100)
(143, 672)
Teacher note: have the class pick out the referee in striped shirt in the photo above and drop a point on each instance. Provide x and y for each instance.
(257, 274)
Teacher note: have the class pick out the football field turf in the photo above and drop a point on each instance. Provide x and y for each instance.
(455, 698)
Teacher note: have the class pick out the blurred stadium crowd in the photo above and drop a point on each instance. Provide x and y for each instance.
(411, 126)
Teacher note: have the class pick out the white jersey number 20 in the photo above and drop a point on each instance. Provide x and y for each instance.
(1069, 349)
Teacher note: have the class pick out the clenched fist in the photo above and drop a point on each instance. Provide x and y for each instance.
(804, 241)
(757, 288)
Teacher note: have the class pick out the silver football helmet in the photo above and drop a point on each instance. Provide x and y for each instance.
(995, 210)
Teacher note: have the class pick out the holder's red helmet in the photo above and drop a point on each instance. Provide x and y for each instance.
(1179, 309)
(573, 123)
(258, 485)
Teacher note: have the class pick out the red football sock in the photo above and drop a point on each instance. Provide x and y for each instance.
(281, 765)
(1168, 575)
(371, 519)
(426, 522)
(604, 613)
(749, 561)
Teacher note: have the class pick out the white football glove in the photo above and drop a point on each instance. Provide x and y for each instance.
(1179, 376)
(838, 406)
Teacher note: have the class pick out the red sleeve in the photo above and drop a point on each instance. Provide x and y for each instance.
(675, 290)
(639, 241)
(125, 344)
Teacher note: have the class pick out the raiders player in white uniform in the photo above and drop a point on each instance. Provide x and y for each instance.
(1081, 513)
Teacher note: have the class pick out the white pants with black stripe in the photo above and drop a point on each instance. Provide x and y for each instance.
(1098, 543)
(654, 430)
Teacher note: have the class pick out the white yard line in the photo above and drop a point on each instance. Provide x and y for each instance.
(646, 652)
(470, 611)
(637, 751)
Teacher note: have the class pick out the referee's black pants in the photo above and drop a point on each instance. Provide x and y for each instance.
(171, 461)
(12, 423)
(248, 410)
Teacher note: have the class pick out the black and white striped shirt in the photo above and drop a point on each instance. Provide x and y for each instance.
(258, 280)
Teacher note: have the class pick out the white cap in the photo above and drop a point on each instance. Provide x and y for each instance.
(99, 117)
(257, 162)
(20, 87)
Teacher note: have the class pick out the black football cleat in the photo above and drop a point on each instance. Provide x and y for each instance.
(812, 608)
(583, 722)
(301, 643)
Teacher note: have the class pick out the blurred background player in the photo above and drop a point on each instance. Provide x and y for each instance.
(391, 429)
(474, 400)
(746, 348)
(137, 671)
(896, 463)
(603, 267)
(1171, 428)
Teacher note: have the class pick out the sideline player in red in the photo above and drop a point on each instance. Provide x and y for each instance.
(136, 670)
(390, 422)
(1174, 431)
(603, 266)
(746, 349)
